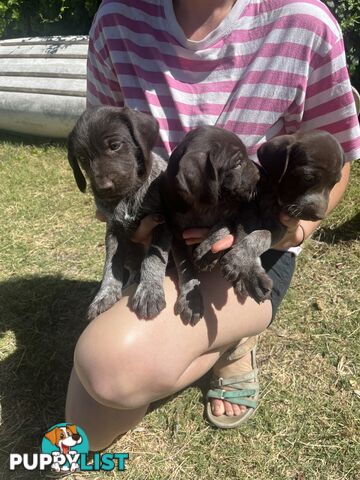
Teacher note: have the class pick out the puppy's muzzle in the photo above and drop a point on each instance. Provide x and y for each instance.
(312, 207)
(104, 187)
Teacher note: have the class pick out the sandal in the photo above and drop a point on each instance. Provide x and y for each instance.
(244, 388)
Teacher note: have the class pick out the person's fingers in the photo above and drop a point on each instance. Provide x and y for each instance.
(193, 241)
(290, 223)
(193, 236)
(223, 244)
(147, 225)
(192, 233)
(100, 216)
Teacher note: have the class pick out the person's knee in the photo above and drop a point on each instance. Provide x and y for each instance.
(125, 374)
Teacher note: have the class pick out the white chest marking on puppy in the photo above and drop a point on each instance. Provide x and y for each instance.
(129, 217)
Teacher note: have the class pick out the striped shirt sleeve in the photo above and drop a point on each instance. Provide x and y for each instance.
(329, 103)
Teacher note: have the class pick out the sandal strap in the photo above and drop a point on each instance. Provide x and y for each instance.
(240, 349)
(240, 386)
(239, 397)
(243, 378)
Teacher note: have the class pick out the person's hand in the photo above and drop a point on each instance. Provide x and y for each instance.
(223, 244)
(143, 233)
(295, 234)
(193, 236)
(144, 230)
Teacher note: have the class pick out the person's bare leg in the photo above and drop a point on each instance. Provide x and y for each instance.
(126, 363)
(101, 424)
(226, 369)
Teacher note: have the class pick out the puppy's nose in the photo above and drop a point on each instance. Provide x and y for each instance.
(105, 186)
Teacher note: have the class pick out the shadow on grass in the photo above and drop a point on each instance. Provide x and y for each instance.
(41, 320)
(26, 139)
(345, 232)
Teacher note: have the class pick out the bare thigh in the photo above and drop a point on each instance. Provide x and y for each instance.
(124, 362)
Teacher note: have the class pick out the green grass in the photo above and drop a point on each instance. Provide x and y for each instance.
(51, 257)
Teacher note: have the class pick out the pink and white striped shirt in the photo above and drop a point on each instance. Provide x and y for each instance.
(271, 67)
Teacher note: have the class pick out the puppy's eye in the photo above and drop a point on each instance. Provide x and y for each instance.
(308, 178)
(116, 145)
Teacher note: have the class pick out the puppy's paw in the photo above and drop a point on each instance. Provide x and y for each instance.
(258, 284)
(189, 304)
(148, 300)
(231, 265)
(202, 249)
(204, 259)
(240, 290)
(104, 300)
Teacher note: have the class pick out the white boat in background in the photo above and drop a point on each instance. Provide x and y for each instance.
(42, 84)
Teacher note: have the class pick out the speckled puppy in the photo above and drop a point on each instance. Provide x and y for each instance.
(114, 148)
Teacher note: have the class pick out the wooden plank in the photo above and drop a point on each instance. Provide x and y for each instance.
(51, 86)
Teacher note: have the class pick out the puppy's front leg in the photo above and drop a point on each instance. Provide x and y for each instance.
(241, 265)
(149, 298)
(252, 278)
(204, 258)
(113, 276)
(189, 304)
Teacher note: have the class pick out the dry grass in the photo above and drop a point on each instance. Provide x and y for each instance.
(307, 425)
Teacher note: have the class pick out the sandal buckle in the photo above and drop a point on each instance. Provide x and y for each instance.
(221, 382)
(222, 394)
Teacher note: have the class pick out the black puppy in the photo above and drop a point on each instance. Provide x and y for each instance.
(298, 172)
(113, 147)
(209, 176)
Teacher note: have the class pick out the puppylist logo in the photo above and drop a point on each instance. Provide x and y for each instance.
(65, 448)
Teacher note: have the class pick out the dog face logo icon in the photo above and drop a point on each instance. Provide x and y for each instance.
(65, 442)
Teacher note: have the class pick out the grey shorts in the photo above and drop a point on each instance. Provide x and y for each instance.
(280, 267)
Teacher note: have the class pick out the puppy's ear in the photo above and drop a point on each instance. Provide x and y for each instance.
(145, 130)
(79, 177)
(210, 170)
(52, 435)
(274, 155)
(210, 183)
(72, 428)
(197, 179)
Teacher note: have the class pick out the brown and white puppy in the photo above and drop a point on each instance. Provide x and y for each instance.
(64, 438)
(113, 146)
(209, 176)
(298, 172)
